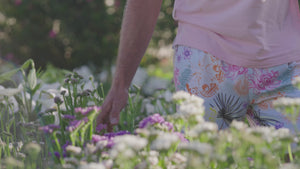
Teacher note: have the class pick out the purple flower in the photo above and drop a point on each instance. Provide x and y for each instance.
(100, 127)
(168, 124)
(49, 128)
(69, 117)
(86, 110)
(181, 137)
(250, 159)
(76, 123)
(58, 100)
(97, 138)
(156, 118)
(110, 143)
(57, 155)
(66, 145)
(109, 137)
(279, 125)
(120, 133)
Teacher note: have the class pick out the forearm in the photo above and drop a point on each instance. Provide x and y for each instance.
(138, 24)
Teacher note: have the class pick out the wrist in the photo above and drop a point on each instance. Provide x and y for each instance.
(120, 86)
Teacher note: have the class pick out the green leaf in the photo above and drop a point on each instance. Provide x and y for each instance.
(6, 134)
(27, 63)
(32, 78)
(10, 91)
(7, 75)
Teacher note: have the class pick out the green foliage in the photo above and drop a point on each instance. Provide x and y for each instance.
(65, 33)
(165, 31)
(69, 33)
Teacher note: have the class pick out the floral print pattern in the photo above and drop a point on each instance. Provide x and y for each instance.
(234, 92)
(264, 79)
(233, 71)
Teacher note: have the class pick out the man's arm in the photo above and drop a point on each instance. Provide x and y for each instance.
(137, 27)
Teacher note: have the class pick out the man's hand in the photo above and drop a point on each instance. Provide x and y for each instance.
(115, 101)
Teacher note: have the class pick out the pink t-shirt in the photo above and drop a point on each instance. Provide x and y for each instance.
(250, 33)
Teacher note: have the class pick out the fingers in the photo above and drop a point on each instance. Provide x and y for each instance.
(103, 117)
(111, 109)
(114, 116)
(109, 115)
(117, 107)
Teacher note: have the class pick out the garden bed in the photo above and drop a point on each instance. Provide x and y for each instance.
(53, 126)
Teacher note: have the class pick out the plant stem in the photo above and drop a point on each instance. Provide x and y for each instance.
(290, 153)
(61, 123)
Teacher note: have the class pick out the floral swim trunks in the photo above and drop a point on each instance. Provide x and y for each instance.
(233, 92)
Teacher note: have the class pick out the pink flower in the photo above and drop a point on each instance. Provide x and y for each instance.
(18, 2)
(264, 80)
(86, 110)
(52, 34)
(233, 71)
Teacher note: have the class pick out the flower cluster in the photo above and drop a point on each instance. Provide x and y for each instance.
(85, 111)
(156, 119)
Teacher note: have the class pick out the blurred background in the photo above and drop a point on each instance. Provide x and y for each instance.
(71, 33)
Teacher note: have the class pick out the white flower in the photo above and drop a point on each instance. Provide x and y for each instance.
(62, 89)
(286, 101)
(129, 153)
(108, 163)
(282, 133)
(289, 166)
(188, 108)
(264, 132)
(21, 155)
(164, 141)
(71, 160)
(90, 148)
(73, 149)
(270, 134)
(181, 95)
(101, 144)
(200, 148)
(88, 85)
(127, 146)
(238, 125)
(92, 166)
(10, 91)
(178, 158)
(203, 127)
(153, 157)
(13, 102)
(189, 104)
(131, 141)
(84, 71)
(46, 99)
